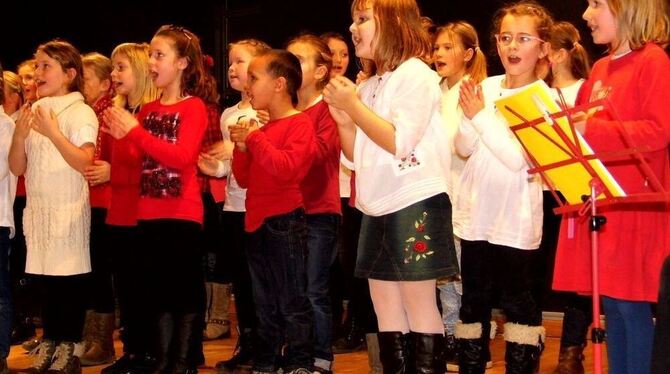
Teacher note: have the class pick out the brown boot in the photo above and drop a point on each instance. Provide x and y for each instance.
(100, 349)
(570, 360)
(218, 325)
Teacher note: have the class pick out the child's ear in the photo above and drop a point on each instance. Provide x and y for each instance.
(182, 63)
(544, 49)
(280, 85)
(71, 73)
(320, 72)
(106, 84)
(469, 54)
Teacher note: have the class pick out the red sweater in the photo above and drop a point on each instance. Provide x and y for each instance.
(101, 194)
(635, 240)
(277, 159)
(321, 186)
(126, 167)
(170, 138)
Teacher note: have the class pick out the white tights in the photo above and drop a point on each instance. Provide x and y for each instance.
(406, 305)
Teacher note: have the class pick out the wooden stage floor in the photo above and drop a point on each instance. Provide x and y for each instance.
(353, 362)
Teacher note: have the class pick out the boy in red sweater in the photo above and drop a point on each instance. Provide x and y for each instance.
(271, 162)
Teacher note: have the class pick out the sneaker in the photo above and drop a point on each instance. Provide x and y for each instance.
(299, 371)
(64, 360)
(42, 357)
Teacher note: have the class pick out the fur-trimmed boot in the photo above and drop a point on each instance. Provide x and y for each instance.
(524, 347)
(427, 353)
(472, 345)
(393, 351)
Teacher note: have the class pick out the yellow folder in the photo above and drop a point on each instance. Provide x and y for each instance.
(537, 101)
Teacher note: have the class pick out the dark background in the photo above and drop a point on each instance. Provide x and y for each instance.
(104, 25)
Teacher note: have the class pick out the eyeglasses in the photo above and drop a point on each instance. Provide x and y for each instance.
(505, 39)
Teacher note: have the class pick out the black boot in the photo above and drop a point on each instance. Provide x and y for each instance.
(242, 360)
(393, 351)
(451, 353)
(472, 340)
(522, 358)
(428, 353)
(353, 339)
(187, 333)
(165, 333)
(523, 349)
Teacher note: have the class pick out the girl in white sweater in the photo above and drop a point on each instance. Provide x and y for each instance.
(53, 143)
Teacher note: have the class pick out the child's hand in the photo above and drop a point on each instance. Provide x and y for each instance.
(119, 122)
(45, 122)
(240, 132)
(98, 173)
(207, 164)
(341, 117)
(217, 150)
(340, 93)
(361, 77)
(471, 98)
(23, 123)
(263, 116)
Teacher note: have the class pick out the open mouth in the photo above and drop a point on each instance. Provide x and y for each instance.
(513, 59)
(440, 64)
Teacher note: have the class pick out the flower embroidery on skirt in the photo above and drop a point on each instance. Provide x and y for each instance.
(416, 247)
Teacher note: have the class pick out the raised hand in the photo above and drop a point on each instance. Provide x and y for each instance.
(119, 122)
(471, 98)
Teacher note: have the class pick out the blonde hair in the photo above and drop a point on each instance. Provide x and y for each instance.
(641, 21)
(400, 34)
(564, 35)
(476, 66)
(138, 57)
(102, 65)
(254, 46)
(321, 54)
(13, 82)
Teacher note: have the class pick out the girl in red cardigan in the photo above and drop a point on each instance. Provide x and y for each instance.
(134, 88)
(170, 212)
(635, 79)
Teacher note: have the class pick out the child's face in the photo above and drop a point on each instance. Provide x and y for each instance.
(238, 63)
(363, 33)
(340, 52)
(27, 74)
(260, 84)
(306, 55)
(601, 21)
(94, 87)
(50, 78)
(123, 78)
(449, 55)
(525, 49)
(165, 66)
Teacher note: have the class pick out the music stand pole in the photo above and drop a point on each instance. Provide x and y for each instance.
(597, 333)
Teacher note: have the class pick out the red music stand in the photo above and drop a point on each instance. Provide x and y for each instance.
(599, 195)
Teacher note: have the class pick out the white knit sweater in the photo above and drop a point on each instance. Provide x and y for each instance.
(57, 218)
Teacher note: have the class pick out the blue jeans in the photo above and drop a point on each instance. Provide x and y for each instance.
(450, 299)
(5, 294)
(322, 251)
(277, 255)
(630, 336)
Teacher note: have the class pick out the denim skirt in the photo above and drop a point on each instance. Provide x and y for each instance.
(412, 244)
